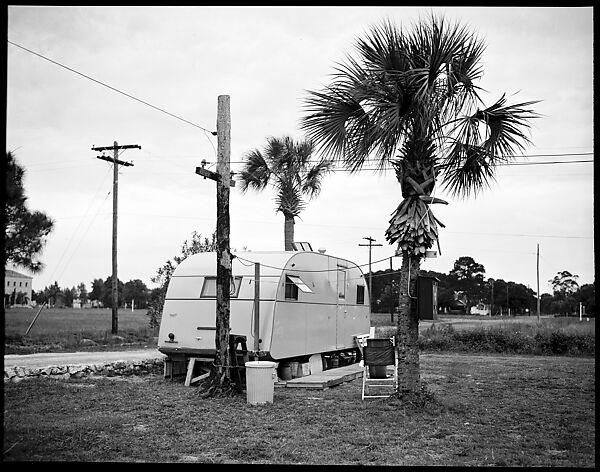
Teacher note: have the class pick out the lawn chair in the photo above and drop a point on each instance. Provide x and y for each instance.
(361, 340)
(377, 355)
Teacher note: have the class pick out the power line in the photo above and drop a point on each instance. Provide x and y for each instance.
(241, 162)
(195, 156)
(379, 169)
(523, 235)
(214, 133)
(307, 270)
(77, 229)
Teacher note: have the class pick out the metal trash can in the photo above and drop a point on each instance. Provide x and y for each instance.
(259, 382)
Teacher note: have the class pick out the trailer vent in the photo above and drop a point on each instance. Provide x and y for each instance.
(302, 246)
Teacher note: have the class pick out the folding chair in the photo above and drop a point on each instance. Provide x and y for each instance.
(377, 355)
(361, 340)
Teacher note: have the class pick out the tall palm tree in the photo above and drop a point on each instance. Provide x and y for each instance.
(286, 165)
(409, 102)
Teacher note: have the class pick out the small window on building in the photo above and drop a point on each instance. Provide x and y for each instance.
(209, 288)
(20, 284)
(25, 284)
(360, 294)
(15, 283)
(292, 284)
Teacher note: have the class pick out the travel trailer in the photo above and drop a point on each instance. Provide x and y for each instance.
(310, 303)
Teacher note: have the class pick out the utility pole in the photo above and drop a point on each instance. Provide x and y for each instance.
(507, 307)
(115, 162)
(371, 240)
(391, 292)
(538, 283)
(492, 299)
(224, 181)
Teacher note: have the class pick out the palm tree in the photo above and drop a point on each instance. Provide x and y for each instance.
(409, 102)
(286, 165)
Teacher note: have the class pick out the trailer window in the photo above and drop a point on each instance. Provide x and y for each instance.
(360, 294)
(341, 282)
(292, 284)
(209, 288)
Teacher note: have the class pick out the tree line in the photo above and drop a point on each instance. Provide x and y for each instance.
(135, 292)
(466, 286)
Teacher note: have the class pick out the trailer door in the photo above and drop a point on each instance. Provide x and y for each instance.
(342, 309)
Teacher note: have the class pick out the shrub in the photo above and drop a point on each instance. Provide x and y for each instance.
(510, 339)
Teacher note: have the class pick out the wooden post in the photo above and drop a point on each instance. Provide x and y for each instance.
(223, 250)
(256, 308)
(370, 239)
(391, 291)
(492, 301)
(115, 286)
(115, 147)
(35, 318)
(538, 282)
(507, 307)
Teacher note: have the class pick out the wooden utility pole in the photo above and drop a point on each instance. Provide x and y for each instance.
(391, 291)
(223, 253)
(492, 301)
(223, 179)
(538, 282)
(115, 287)
(371, 240)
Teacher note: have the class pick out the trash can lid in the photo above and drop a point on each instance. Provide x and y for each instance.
(259, 364)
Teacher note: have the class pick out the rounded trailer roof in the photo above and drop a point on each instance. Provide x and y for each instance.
(271, 262)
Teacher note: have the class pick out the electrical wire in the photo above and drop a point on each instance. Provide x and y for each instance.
(307, 270)
(102, 182)
(214, 133)
(333, 170)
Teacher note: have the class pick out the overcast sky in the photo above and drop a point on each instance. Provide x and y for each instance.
(181, 59)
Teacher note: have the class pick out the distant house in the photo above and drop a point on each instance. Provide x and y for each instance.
(78, 303)
(15, 283)
(480, 309)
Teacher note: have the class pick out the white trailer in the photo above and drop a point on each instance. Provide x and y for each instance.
(310, 303)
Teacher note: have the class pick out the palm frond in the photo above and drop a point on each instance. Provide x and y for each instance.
(255, 173)
(314, 176)
(471, 172)
(507, 125)
(472, 158)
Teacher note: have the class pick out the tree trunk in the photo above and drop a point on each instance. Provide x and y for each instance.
(288, 232)
(407, 333)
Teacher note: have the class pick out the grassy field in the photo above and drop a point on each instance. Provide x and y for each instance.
(57, 330)
(65, 330)
(484, 410)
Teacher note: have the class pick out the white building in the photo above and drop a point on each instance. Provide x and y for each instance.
(14, 282)
(480, 309)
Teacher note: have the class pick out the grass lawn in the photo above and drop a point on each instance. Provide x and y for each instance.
(63, 329)
(486, 410)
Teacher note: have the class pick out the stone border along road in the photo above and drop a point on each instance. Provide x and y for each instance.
(65, 365)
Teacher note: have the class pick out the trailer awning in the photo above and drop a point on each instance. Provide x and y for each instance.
(299, 283)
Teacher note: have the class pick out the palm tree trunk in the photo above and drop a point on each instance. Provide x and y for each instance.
(407, 333)
(288, 232)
